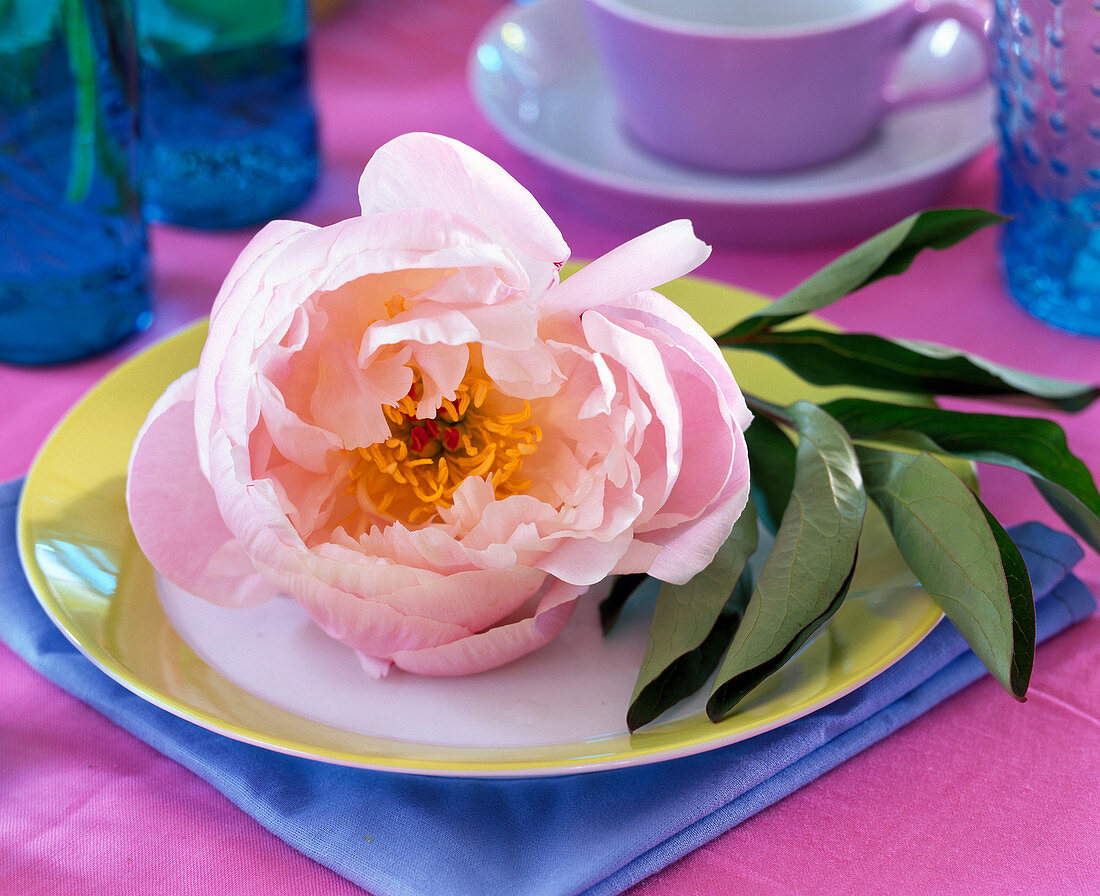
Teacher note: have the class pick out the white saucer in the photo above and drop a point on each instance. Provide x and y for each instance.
(535, 76)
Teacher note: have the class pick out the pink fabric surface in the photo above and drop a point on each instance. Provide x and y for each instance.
(981, 795)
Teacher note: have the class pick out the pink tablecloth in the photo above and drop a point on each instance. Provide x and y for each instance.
(981, 795)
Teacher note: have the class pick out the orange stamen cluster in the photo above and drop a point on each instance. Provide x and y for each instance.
(416, 471)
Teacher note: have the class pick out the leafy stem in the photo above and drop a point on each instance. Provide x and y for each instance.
(814, 468)
(777, 413)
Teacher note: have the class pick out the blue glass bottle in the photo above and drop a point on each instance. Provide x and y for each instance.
(73, 257)
(228, 121)
(1047, 72)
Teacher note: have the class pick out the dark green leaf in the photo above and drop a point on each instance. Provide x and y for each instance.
(612, 605)
(692, 627)
(772, 464)
(961, 555)
(809, 569)
(1031, 444)
(868, 361)
(937, 229)
(884, 254)
(1079, 507)
(1023, 607)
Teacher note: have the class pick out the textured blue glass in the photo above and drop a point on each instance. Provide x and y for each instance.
(73, 272)
(228, 122)
(1047, 71)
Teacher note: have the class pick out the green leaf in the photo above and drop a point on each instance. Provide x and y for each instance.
(772, 465)
(961, 555)
(1023, 606)
(810, 566)
(1033, 445)
(887, 253)
(868, 361)
(692, 626)
(1079, 508)
(621, 590)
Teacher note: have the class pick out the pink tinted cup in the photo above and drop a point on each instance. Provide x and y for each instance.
(761, 86)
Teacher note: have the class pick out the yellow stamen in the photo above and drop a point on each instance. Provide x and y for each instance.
(411, 475)
(396, 304)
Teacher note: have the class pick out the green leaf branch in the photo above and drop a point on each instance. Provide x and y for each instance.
(810, 566)
(815, 468)
(962, 556)
(698, 621)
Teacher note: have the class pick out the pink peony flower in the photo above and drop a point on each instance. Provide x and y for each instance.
(405, 422)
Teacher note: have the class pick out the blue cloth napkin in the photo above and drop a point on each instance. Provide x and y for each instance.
(596, 834)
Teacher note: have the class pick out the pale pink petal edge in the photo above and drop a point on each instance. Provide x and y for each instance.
(497, 646)
(659, 256)
(173, 512)
(429, 170)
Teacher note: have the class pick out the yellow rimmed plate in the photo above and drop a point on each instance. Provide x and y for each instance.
(267, 676)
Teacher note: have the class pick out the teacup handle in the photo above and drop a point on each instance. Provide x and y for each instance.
(970, 19)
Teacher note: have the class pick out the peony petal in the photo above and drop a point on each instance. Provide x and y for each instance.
(381, 629)
(689, 546)
(367, 626)
(659, 256)
(348, 399)
(639, 557)
(264, 306)
(470, 600)
(433, 550)
(500, 645)
(643, 360)
(430, 171)
(442, 368)
(313, 502)
(237, 295)
(248, 270)
(586, 561)
(173, 512)
(530, 373)
(656, 313)
(514, 522)
(299, 442)
(374, 666)
(424, 324)
(708, 438)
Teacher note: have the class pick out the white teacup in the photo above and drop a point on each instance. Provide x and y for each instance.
(760, 86)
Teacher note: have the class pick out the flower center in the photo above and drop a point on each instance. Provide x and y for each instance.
(416, 471)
